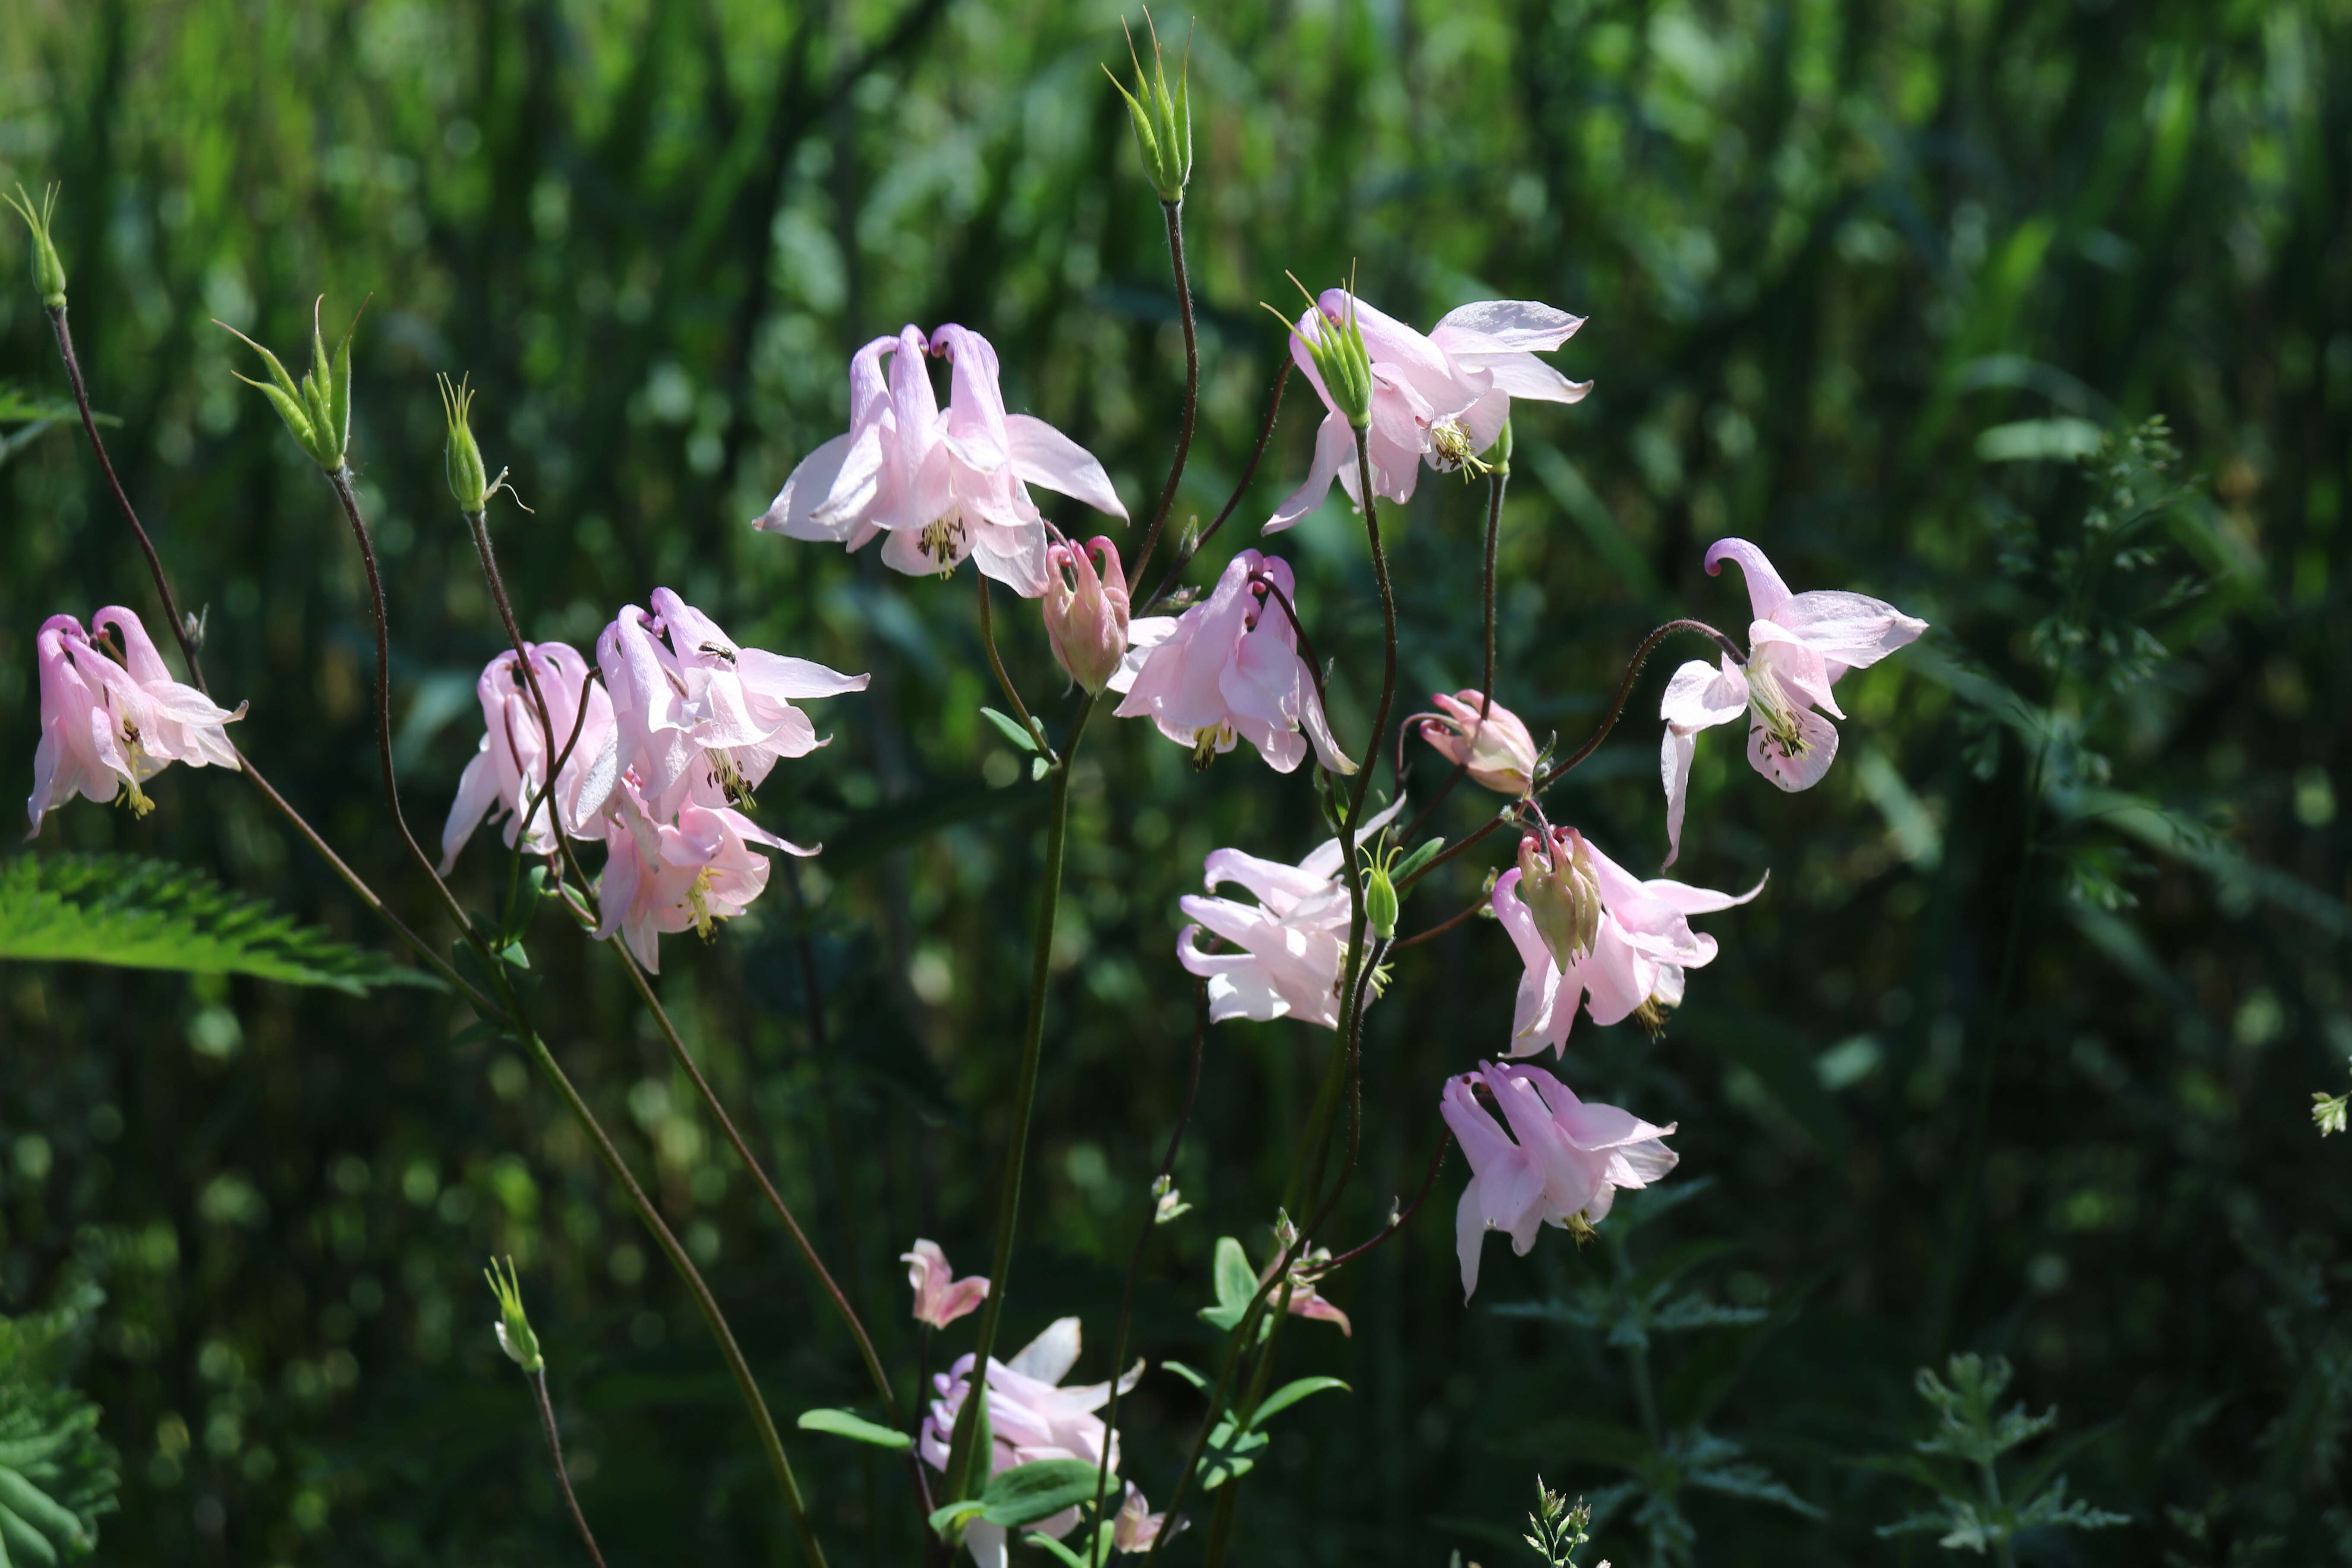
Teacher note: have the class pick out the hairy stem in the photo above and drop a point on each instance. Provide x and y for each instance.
(962, 1460)
(340, 479)
(1012, 694)
(555, 1455)
(1174, 212)
(1184, 553)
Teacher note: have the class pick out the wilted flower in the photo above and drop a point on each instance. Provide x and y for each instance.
(667, 875)
(698, 716)
(510, 765)
(1227, 667)
(1500, 752)
(942, 485)
(109, 727)
(1442, 398)
(1564, 1169)
(939, 1297)
(1085, 613)
(1608, 939)
(1029, 1418)
(1798, 646)
(1293, 941)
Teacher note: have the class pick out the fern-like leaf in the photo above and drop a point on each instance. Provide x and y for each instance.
(56, 1474)
(150, 914)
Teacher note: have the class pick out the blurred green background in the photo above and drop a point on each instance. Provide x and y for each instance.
(1863, 278)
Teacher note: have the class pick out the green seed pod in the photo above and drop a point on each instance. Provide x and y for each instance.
(48, 272)
(461, 460)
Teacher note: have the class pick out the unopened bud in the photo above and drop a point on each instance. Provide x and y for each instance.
(1381, 896)
(318, 409)
(1163, 121)
(461, 460)
(1086, 611)
(1562, 892)
(48, 272)
(1499, 752)
(513, 1328)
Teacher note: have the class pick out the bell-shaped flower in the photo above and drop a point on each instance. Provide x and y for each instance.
(666, 875)
(939, 485)
(108, 726)
(1799, 645)
(1230, 667)
(1293, 941)
(1608, 941)
(1500, 753)
(1030, 1418)
(1563, 1170)
(939, 1297)
(1441, 398)
(1086, 611)
(698, 716)
(509, 768)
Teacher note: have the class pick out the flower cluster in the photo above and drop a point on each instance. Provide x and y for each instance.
(656, 751)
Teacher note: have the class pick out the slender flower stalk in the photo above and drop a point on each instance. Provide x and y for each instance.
(961, 1478)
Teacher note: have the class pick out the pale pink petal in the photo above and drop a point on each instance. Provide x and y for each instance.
(1765, 592)
(1801, 767)
(1044, 455)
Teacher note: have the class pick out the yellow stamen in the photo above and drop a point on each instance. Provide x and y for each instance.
(942, 540)
(698, 897)
(1449, 445)
(1208, 740)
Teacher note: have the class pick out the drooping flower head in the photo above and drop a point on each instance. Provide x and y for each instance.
(693, 868)
(1136, 1527)
(1293, 941)
(1564, 1168)
(1440, 399)
(698, 716)
(1229, 667)
(942, 485)
(939, 1297)
(1500, 752)
(1086, 611)
(1799, 645)
(108, 725)
(1588, 931)
(509, 767)
(1030, 1418)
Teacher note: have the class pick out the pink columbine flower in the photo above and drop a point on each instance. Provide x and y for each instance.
(1030, 1417)
(1617, 944)
(1797, 645)
(1565, 1169)
(699, 716)
(942, 486)
(512, 763)
(1227, 667)
(1136, 1527)
(665, 876)
(1500, 752)
(939, 1297)
(1086, 611)
(1442, 398)
(109, 727)
(1293, 941)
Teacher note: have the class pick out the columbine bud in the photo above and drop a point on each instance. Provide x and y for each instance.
(1085, 621)
(1163, 122)
(461, 460)
(1381, 896)
(1498, 455)
(317, 411)
(1340, 359)
(513, 1328)
(1499, 751)
(48, 272)
(1562, 891)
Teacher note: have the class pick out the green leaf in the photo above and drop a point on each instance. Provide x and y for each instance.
(1055, 1550)
(56, 1474)
(1235, 1281)
(150, 914)
(1290, 1393)
(945, 1521)
(1197, 1380)
(1013, 731)
(1039, 1490)
(1229, 1456)
(843, 1424)
(1417, 860)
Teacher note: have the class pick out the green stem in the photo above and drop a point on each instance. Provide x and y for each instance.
(1174, 212)
(960, 1459)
